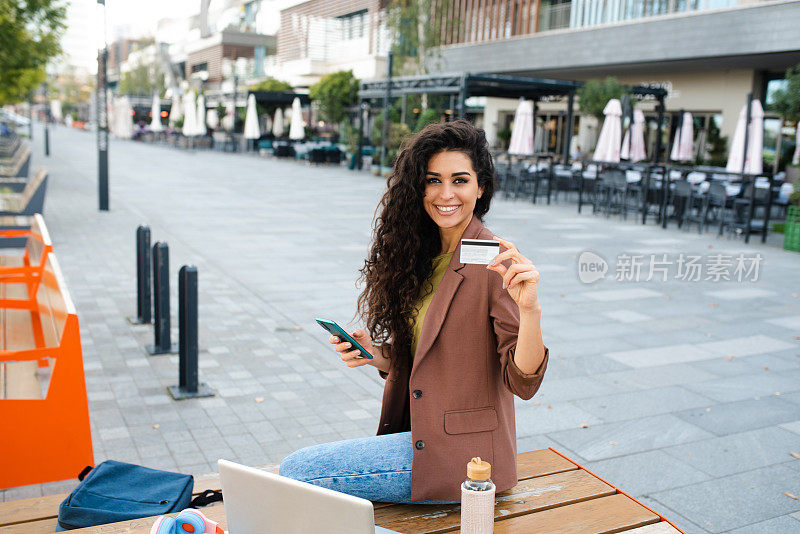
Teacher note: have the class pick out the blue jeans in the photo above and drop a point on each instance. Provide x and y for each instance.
(376, 468)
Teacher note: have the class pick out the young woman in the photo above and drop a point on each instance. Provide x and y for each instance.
(454, 341)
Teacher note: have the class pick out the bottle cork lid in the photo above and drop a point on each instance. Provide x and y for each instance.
(477, 469)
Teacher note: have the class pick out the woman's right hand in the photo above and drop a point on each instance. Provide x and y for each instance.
(350, 355)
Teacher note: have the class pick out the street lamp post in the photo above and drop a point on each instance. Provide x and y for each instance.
(102, 122)
(46, 121)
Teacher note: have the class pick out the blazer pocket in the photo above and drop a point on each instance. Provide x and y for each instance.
(465, 421)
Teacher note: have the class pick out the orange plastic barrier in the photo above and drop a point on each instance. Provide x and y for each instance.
(48, 438)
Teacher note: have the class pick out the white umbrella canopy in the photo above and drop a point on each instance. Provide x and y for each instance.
(190, 115)
(683, 144)
(212, 119)
(277, 124)
(755, 142)
(521, 143)
(251, 130)
(609, 141)
(796, 156)
(175, 111)
(155, 121)
(633, 143)
(296, 129)
(122, 123)
(200, 123)
(228, 119)
(55, 110)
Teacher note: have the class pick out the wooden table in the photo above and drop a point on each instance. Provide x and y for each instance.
(554, 495)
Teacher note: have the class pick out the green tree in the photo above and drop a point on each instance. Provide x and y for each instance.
(417, 27)
(30, 31)
(335, 93)
(594, 95)
(786, 101)
(429, 116)
(272, 85)
(143, 79)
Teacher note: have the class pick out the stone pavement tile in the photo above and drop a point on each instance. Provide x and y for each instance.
(623, 294)
(652, 377)
(626, 316)
(791, 323)
(647, 472)
(744, 293)
(655, 356)
(736, 501)
(674, 517)
(794, 426)
(545, 418)
(737, 453)
(609, 440)
(785, 524)
(733, 417)
(749, 386)
(637, 404)
(566, 389)
(778, 361)
(746, 346)
(567, 366)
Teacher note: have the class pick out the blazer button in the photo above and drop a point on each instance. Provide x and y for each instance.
(417, 393)
(420, 445)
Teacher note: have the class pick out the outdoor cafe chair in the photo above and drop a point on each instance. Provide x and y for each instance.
(612, 188)
(736, 219)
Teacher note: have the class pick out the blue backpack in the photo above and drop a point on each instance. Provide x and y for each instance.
(117, 491)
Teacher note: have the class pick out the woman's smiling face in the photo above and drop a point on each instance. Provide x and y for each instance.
(451, 189)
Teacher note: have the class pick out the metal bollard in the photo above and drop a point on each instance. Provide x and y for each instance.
(161, 330)
(188, 386)
(143, 294)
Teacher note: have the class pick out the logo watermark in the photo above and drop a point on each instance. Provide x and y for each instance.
(662, 267)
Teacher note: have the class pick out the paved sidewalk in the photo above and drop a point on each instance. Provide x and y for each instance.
(686, 394)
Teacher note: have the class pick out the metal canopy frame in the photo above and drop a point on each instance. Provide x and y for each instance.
(278, 98)
(461, 86)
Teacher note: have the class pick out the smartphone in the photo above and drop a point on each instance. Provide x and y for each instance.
(343, 336)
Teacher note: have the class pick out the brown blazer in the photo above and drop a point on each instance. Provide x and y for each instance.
(458, 398)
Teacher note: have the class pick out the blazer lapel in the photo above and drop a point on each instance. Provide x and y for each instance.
(437, 311)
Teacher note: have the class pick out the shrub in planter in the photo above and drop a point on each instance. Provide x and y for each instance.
(791, 233)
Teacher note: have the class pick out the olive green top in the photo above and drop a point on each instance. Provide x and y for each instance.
(440, 264)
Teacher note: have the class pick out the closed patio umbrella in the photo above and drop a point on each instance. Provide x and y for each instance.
(155, 111)
(521, 143)
(190, 114)
(212, 119)
(296, 129)
(608, 143)
(796, 157)
(200, 124)
(633, 143)
(175, 111)
(683, 144)
(229, 118)
(123, 118)
(755, 142)
(251, 130)
(277, 124)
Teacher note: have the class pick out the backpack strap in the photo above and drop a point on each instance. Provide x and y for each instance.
(85, 472)
(206, 498)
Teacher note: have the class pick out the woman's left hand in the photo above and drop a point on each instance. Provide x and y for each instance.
(521, 278)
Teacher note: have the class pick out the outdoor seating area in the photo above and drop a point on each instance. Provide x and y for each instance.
(554, 495)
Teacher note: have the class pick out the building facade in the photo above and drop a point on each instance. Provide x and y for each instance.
(708, 54)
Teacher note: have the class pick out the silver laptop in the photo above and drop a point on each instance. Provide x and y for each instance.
(259, 502)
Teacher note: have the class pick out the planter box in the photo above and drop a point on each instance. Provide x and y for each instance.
(791, 234)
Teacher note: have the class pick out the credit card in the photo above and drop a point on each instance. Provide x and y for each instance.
(479, 251)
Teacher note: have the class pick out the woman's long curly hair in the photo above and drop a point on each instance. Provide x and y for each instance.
(406, 239)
